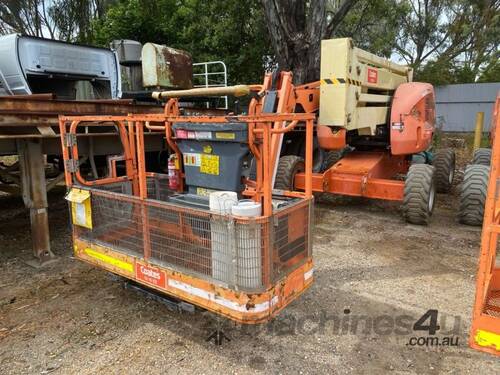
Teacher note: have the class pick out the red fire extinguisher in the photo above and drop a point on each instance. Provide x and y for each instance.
(173, 172)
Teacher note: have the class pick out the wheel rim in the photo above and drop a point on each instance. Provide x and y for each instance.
(432, 194)
(452, 172)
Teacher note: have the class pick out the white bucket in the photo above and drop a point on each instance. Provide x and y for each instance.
(222, 236)
(247, 208)
(222, 201)
(248, 245)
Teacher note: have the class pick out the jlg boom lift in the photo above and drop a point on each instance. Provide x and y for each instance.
(370, 120)
(161, 231)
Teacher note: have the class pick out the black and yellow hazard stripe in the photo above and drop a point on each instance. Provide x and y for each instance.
(340, 81)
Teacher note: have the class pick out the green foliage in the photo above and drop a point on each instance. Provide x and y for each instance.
(451, 41)
(445, 41)
(232, 30)
(491, 73)
(374, 25)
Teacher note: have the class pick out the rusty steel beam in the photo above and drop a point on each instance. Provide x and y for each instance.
(82, 135)
(48, 96)
(22, 111)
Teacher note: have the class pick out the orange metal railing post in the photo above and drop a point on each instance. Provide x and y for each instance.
(485, 327)
(143, 188)
(309, 157)
(267, 188)
(65, 152)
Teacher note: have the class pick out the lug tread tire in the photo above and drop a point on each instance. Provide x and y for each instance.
(419, 186)
(444, 164)
(288, 166)
(331, 158)
(482, 156)
(473, 194)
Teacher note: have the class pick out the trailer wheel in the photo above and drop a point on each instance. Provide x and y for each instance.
(473, 194)
(419, 194)
(444, 163)
(482, 156)
(288, 167)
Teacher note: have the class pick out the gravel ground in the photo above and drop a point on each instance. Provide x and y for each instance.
(374, 277)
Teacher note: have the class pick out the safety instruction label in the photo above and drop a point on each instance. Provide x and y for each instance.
(81, 209)
(203, 135)
(209, 164)
(204, 192)
(191, 159)
(225, 135)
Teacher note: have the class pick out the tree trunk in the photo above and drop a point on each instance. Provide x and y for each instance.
(296, 28)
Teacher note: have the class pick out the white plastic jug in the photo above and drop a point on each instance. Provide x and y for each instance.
(248, 245)
(222, 236)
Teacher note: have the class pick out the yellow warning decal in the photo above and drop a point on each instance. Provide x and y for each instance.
(340, 81)
(225, 135)
(126, 266)
(485, 338)
(210, 164)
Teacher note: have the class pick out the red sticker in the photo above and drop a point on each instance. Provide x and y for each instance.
(150, 275)
(181, 134)
(372, 75)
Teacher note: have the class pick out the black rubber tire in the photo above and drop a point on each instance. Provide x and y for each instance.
(473, 194)
(331, 158)
(288, 167)
(318, 159)
(419, 194)
(318, 154)
(482, 156)
(444, 164)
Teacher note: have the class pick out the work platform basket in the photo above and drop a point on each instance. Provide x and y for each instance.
(245, 268)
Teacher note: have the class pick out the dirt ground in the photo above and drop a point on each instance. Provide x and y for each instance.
(370, 267)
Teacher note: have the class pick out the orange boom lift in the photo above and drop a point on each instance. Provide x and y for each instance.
(365, 114)
(485, 329)
(371, 120)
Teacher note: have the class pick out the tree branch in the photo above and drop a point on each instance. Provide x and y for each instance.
(339, 15)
